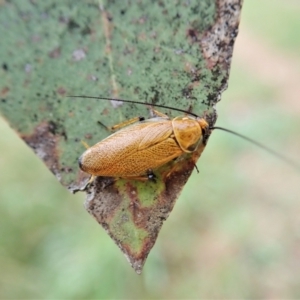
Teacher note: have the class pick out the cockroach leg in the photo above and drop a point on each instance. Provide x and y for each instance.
(159, 114)
(126, 123)
(85, 144)
(195, 166)
(103, 125)
(151, 176)
(93, 177)
(122, 124)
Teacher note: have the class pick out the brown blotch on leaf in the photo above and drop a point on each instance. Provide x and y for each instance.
(137, 260)
(218, 41)
(55, 53)
(88, 136)
(61, 91)
(44, 144)
(102, 199)
(4, 91)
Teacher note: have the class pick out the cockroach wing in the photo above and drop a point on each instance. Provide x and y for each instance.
(132, 151)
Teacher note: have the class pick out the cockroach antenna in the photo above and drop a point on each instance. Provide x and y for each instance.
(269, 150)
(137, 102)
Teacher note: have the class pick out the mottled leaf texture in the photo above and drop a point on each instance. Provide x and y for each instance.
(175, 53)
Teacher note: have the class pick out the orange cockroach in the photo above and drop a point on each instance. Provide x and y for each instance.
(136, 150)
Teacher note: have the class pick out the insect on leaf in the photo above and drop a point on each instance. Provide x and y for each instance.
(162, 52)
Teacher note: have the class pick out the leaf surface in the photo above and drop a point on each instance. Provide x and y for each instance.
(162, 52)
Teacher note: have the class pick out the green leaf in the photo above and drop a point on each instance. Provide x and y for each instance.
(161, 52)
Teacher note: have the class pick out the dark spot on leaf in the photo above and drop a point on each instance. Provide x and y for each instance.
(72, 25)
(187, 92)
(192, 34)
(211, 98)
(53, 127)
(57, 129)
(86, 30)
(3, 100)
(55, 53)
(156, 96)
(122, 11)
(64, 134)
(223, 81)
(5, 67)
